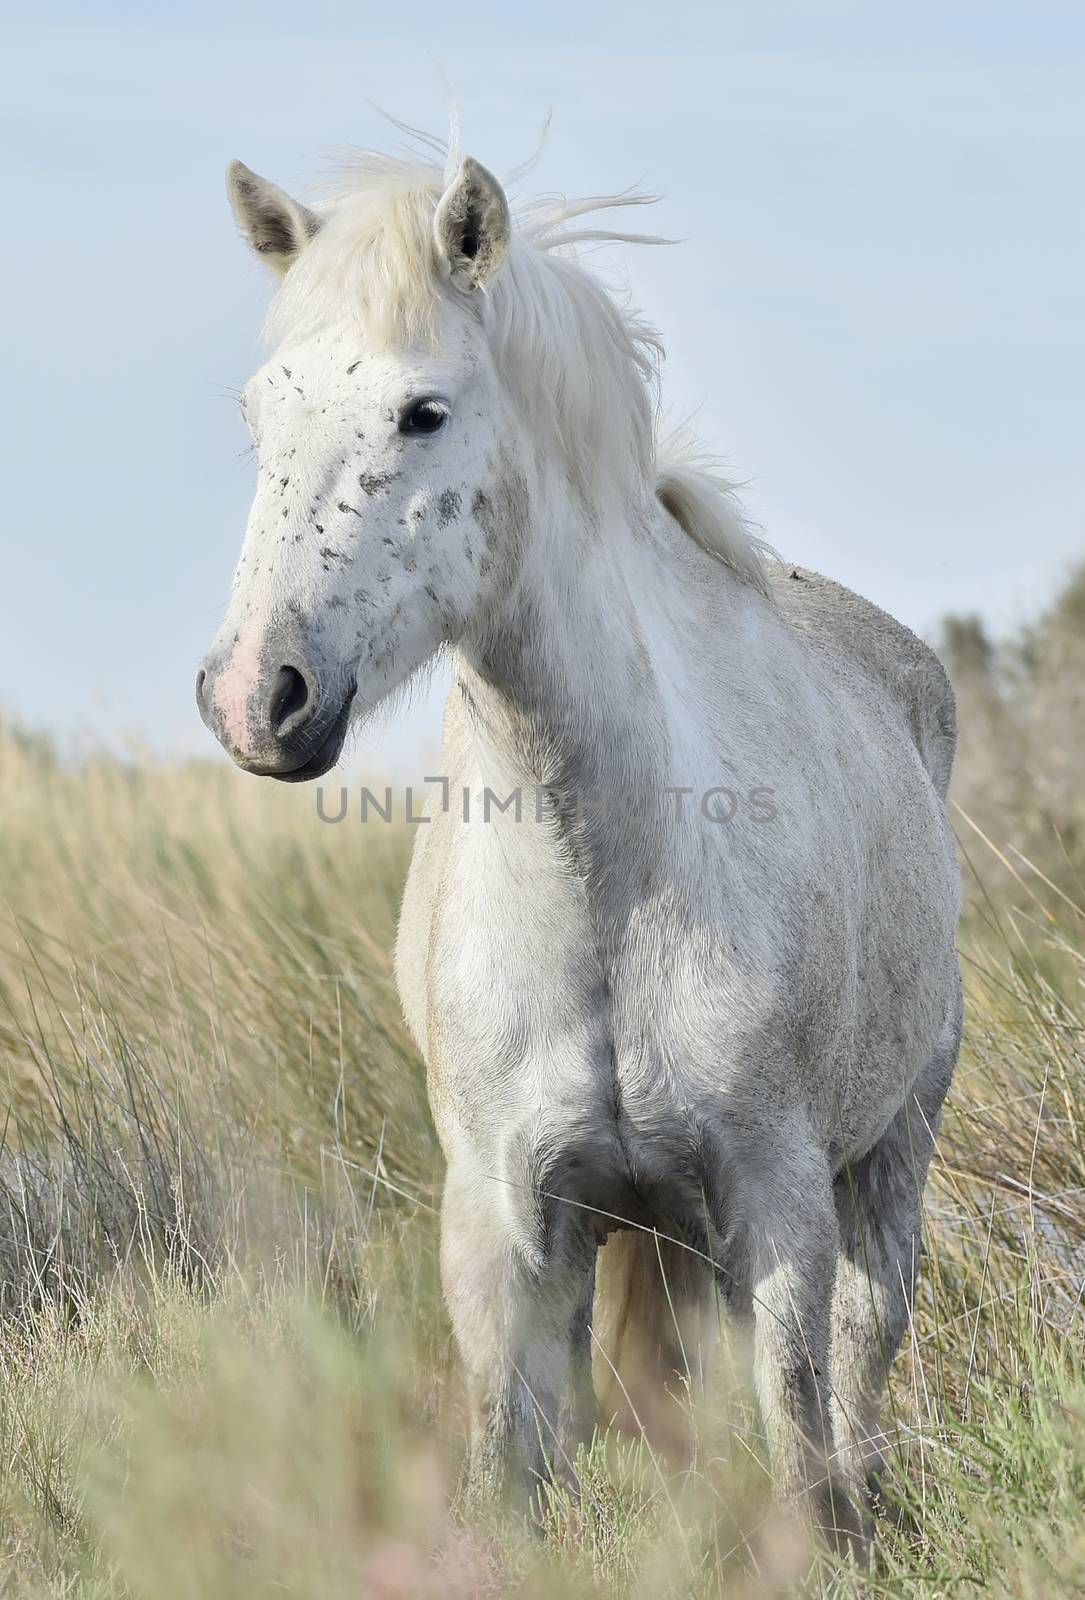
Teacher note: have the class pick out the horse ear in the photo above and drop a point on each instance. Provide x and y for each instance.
(277, 227)
(471, 227)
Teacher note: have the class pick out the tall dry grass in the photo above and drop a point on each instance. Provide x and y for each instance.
(1020, 772)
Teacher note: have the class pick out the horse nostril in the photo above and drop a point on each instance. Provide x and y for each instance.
(289, 698)
(201, 679)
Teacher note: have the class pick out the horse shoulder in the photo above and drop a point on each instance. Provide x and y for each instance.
(424, 889)
(414, 931)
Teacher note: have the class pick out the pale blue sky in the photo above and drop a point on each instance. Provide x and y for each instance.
(878, 304)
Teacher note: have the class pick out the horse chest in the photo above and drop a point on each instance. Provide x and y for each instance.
(552, 1043)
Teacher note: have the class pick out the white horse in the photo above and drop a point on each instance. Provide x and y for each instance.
(684, 979)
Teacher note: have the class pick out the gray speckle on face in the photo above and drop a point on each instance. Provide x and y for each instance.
(503, 514)
(374, 482)
(448, 507)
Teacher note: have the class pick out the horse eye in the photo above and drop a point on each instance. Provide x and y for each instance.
(424, 416)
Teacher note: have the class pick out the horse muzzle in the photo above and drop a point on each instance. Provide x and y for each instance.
(270, 709)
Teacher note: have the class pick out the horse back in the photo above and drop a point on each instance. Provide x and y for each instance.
(857, 636)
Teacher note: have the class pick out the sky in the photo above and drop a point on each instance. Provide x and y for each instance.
(876, 307)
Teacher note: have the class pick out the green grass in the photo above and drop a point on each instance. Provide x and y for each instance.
(224, 1364)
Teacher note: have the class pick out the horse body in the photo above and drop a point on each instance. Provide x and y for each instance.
(681, 966)
(630, 1011)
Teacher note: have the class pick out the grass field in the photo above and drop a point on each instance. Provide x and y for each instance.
(224, 1365)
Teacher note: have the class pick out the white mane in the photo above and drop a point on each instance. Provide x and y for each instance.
(584, 367)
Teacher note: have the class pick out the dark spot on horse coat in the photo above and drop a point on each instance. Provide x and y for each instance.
(372, 482)
(448, 507)
(353, 368)
(344, 507)
(333, 555)
(504, 517)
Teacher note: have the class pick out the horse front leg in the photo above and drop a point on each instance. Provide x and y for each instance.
(517, 1303)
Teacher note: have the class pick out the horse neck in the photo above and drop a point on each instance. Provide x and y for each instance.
(565, 688)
